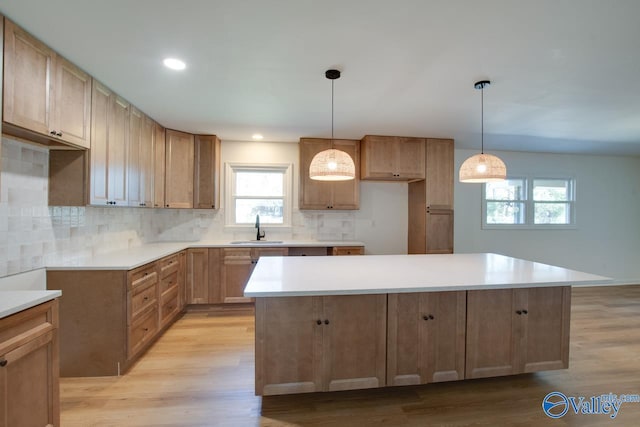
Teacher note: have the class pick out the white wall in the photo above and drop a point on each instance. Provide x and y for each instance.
(607, 238)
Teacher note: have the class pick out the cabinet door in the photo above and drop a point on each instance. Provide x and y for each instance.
(354, 341)
(133, 163)
(346, 194)
(288, 345)
(29, 375)
(492, 329)
(101, 109)
(237, 265)
(545, 328)
(439, 231)
(439, 173)
(72, 103)
(197, 276)
(206, 190)
(179, 170)
(379, 157)
(410, 158)
(118, 146)
(146, 172)
(28, 73)
(313, 194)
(426, 337)
(158, 166)
(215, 275)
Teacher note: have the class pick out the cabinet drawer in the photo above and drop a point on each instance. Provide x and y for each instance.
(143, 330)
(141, 298)
(169, 265)
(348, 250)
(310, 251)
(169, 282)
(24, 326)
(143, 276)
(170, 306)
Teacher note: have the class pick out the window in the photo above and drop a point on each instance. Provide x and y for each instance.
(258, 190)
(529, 203)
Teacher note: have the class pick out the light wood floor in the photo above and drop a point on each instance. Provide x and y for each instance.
(200, 373)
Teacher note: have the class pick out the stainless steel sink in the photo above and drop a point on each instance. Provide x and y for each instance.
(256, 242)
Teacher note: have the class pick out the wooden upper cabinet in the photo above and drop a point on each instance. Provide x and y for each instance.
(101, 110)
(321, 195)
(206, 192)
(140, 163)
(179, 170)
(43, 92)
(146, 171)
(392, 158)
(439, 173)
(158, 165)
(133, 164)
(118, 148)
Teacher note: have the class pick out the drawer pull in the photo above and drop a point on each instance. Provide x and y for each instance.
(146, 298)
(146, 329)
(3, 362)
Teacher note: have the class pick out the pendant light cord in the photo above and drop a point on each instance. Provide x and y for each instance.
(332, 81)
(481, 120)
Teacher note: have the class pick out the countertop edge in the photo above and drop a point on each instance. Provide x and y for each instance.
(29, 299)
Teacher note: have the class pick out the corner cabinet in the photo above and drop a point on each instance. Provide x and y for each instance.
(179, 161)
(392, 158)
(46, 98)
(322, 195)
(29, 373)
(309, 344)
(237, 266)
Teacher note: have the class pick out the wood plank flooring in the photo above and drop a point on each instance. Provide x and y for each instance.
(200, 373)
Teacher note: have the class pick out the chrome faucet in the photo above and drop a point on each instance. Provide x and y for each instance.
(259, 235)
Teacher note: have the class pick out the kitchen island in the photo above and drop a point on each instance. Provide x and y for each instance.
(328, 324)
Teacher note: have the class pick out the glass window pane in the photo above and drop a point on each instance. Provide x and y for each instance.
(270, 211)
(552, 213)
(510, 189)
(551, 189)
(259, 183)
(505, 213)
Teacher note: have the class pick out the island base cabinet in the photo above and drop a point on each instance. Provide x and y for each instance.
(426, 337)
(29, 373)
(309, 344)
(512, 331)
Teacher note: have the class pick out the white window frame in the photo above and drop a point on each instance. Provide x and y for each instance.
(230, 180)
(529, 206)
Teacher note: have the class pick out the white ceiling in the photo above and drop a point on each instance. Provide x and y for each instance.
(565, 73)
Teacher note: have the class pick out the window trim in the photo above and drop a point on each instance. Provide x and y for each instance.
(287, 198)
(529, 206)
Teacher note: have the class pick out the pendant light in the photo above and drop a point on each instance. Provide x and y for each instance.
(332, 164)
(482, 167)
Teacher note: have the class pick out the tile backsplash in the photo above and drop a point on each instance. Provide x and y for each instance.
(33, 234)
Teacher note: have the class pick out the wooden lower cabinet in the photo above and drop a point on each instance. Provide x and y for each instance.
(29, 374)
(108, 318)
(307, 344)
(426, 337)
(511, 331)
(348, 250)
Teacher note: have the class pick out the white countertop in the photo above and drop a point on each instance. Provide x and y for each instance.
(377, 274)
(138, 256)
(12, 302)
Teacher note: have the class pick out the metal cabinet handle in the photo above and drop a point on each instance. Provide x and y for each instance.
(518, 312)
(319, 322)
(3, 362)
(326, 321)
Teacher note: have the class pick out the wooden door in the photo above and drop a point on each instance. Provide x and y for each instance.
(146, 171)
(313, 194)
(379, 157)
(439, 173)
(133, 163)
(118, 146)
(206, 192)
(158, 166)
(439, 231)
(237, 265)
(28, 73)
(346, 194)
(491, 333)
(72, 103)
(179, 170)
(426, 337)
(410, 158)
(354, 341)
(545, 314)
(288, 345)
(101, 110)
(197, 276)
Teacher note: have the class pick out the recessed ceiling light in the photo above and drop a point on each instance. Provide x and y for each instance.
(257, 136)
(174, 64)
